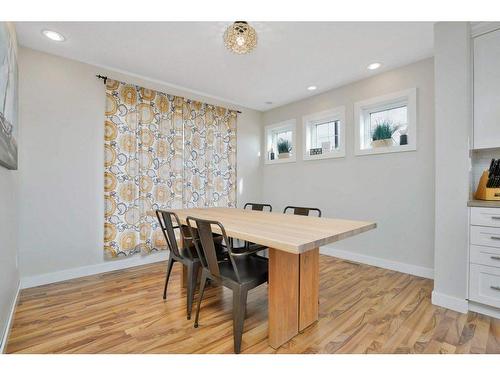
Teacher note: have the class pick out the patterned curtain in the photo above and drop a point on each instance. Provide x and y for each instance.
(161, 152)
(209, 156)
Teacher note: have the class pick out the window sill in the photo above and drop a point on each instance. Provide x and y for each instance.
(329, 155)
(385, 150)
(281, 161)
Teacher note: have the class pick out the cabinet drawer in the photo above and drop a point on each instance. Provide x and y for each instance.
(487, 256)
(484, 285)
(485, 236)
(485, 216)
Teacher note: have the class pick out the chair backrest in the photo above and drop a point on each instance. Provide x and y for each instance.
(304, 211)
(205, 244)
(258, 206)
(169, 221)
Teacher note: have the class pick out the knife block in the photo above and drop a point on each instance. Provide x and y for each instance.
(484, 193)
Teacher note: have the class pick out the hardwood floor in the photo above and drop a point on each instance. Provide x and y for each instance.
(363, 309)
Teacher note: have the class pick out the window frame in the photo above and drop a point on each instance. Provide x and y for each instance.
(363, 109)
(313, 119)
(288, 125)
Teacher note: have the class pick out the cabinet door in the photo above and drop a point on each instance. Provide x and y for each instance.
(487, 90)
(484, 285)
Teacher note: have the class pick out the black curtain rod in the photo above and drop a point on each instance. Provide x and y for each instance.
(104, 78)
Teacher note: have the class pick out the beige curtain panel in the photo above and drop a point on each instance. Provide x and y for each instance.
(161, 151)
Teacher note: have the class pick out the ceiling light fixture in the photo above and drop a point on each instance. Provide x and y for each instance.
(54, 35)
(240, 38)
(312, 88)
(374, 66)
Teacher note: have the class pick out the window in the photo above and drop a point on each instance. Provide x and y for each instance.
(396, 117)
(386, 124)
(279, 136)
(324, 134)
(280, 143)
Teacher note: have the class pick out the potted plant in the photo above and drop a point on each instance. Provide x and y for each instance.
(382, 135)
(284, 148)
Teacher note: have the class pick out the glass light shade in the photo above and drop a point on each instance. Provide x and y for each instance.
(240, 38)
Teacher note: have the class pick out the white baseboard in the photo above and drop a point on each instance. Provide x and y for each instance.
(73, 273)
(5, 335)
(450, 302)
(485, 310)
(379, 262)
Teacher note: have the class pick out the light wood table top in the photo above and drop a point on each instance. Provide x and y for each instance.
(291, 233)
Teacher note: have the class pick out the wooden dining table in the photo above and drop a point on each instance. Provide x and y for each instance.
(293, 243)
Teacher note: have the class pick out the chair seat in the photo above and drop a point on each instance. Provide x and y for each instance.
(250, 269)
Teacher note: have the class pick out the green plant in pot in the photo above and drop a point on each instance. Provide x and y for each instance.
(284, 148)
(382, 135)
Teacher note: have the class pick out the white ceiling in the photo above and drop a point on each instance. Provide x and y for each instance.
(290, 56)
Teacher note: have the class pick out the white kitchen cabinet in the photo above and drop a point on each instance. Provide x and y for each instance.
(486, 130)
(484, 260)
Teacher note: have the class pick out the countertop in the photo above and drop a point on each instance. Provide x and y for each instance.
(480, 203)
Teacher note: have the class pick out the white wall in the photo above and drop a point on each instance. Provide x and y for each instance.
(453, 124)
(61, 161)
(395, 190)
(9, 275)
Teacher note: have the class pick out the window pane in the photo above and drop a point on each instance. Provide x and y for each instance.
(322, 130)
(325, 132)
(396, 117)
(285, 135)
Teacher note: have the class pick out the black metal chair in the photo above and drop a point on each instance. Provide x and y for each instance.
(186, 254)
(239, 272)
(258, 206)
(304, 211)
(239, 245)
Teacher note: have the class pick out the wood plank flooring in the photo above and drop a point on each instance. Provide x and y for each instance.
(363, 309)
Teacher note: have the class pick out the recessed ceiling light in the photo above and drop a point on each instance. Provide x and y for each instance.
(374, 66)
(312, 88)
(54, 35)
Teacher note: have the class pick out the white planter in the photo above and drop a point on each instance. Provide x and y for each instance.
(284, 155)
(383, 143)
